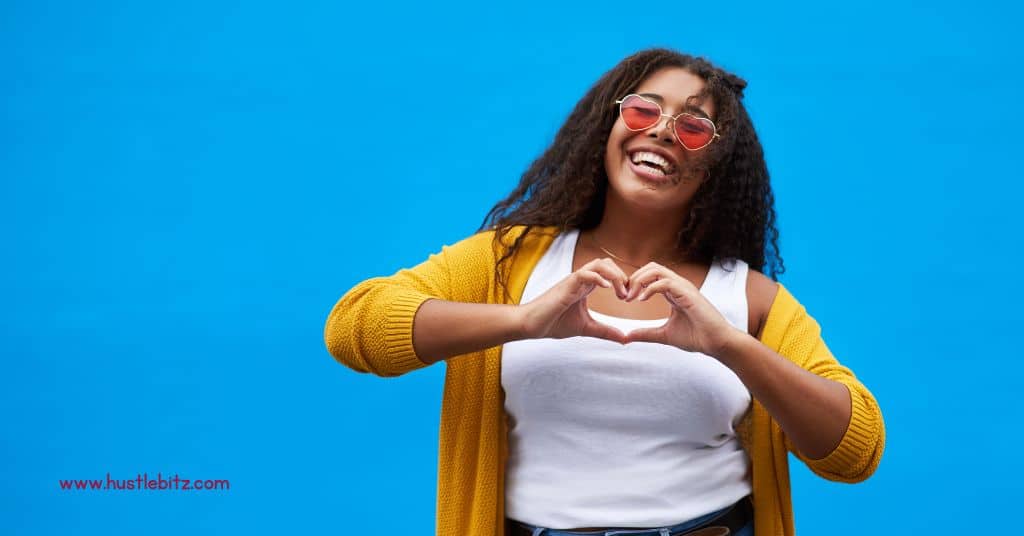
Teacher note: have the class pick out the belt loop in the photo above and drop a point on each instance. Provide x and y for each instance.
(664, 532)
(537, 531)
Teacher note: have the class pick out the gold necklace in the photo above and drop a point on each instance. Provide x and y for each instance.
(614, 256)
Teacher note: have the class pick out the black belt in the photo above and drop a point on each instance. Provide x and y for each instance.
(734, 519)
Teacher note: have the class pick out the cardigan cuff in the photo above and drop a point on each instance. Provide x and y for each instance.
(854, 451)
(398, 332)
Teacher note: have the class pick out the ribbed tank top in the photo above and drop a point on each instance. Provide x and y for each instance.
(641, 435)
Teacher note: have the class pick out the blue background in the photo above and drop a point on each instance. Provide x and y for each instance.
(187, 190)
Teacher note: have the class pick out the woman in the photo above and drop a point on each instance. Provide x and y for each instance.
(576, 403)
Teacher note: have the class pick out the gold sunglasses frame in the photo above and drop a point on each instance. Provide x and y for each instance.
(671, 121)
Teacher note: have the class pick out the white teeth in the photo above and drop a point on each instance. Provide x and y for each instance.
(652, 169)
(653, 158)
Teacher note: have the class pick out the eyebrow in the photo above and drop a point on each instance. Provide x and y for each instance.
(687, 106)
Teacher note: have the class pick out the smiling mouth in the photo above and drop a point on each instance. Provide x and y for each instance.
(652, 173)
(652, 160)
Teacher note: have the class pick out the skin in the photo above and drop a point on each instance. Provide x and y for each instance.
(640, 222)
(641, 218)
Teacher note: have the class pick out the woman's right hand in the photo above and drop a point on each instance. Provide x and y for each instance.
(561, 312)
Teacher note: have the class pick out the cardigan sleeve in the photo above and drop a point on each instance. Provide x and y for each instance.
(370, 328)
(859, 452)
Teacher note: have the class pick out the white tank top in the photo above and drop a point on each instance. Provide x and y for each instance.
(641, 435)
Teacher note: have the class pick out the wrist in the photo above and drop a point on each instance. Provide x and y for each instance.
(730, 344)
(521, 322)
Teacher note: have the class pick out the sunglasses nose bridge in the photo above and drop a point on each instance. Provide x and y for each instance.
(670, 123)
(657, 124)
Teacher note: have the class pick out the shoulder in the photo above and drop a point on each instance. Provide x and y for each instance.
(504, 237)
(525, 239)
(520, 242)
(761, 293)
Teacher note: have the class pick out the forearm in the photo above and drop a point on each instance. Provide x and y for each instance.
(813, 411)
(443, 329)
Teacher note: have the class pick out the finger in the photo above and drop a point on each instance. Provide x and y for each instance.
(621, 278)
(611, 271)
(661, 285)
(641, 278)
(647, 335)
(604, 331)
(679, 294)
(587, 277)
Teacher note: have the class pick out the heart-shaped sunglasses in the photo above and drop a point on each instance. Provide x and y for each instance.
(691, 132)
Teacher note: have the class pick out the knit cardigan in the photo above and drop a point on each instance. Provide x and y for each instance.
(370, 330)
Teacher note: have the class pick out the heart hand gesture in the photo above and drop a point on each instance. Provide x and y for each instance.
(694, 325)
(561, 312)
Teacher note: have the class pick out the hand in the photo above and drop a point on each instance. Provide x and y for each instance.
(561, 312)
(694, 325)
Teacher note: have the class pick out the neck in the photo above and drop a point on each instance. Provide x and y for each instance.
(638, 236)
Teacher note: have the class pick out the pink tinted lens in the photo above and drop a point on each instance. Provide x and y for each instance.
(694, 132)
(639, 114)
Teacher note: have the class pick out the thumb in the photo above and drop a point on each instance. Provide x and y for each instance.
(647, 335)
(604, 331)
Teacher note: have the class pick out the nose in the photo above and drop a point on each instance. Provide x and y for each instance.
(662, 129)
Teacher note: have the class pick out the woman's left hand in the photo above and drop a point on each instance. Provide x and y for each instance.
(694, 325)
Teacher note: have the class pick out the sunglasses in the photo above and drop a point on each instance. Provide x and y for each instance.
(691, 132)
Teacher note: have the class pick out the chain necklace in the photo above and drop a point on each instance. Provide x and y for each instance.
(614, 256)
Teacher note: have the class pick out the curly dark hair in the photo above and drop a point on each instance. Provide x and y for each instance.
(732, 213)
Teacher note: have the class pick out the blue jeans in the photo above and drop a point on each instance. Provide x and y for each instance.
(747, 530)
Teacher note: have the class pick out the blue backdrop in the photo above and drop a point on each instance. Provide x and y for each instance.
(187, 189)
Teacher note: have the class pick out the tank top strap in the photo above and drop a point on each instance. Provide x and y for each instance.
(726, 288)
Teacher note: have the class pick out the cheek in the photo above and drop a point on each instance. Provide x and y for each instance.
(616, 138)
(613, 153)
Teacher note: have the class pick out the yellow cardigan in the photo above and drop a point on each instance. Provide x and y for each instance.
(370, 330)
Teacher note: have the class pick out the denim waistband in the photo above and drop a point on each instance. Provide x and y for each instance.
(653, 531)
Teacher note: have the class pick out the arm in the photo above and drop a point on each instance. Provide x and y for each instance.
(813, 411)
(829, 419)
(444, 329)
(371, 328)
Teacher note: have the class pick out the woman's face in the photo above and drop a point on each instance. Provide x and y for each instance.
(634, 184)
